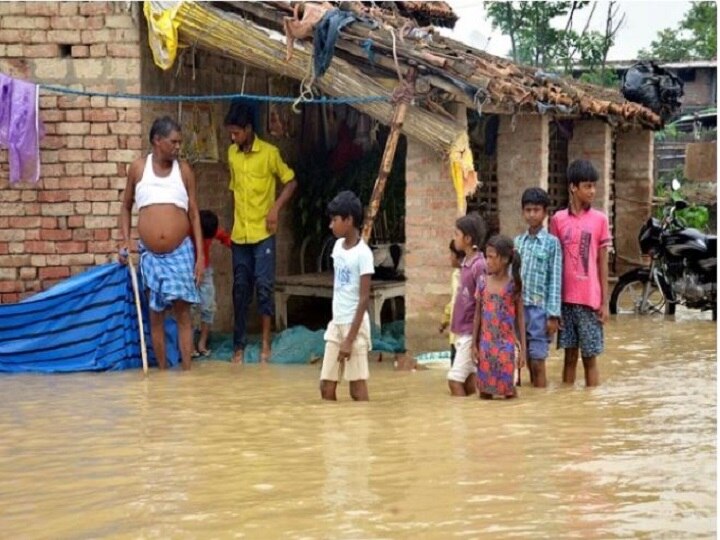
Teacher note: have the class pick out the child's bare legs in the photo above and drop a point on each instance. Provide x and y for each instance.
(463, 389)
(327, 390)
(204, 335)
(157, 333)
(470, 384)
(457, 388)
(265, 351)
(537, 373)
(582, 331)
(570, 365)
(592, 373)
(359, 390)
(461, 377)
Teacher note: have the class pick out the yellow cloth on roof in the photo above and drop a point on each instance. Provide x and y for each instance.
(462, 170)
(162, 33)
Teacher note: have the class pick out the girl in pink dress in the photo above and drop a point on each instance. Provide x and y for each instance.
(499, 319)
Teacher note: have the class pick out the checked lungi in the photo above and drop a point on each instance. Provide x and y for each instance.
(169, 276)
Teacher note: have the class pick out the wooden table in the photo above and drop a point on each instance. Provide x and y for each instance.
(320, 285)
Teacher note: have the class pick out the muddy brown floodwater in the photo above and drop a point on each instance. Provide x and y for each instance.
(223, 452)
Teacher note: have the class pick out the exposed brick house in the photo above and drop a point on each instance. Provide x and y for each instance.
(68, 221)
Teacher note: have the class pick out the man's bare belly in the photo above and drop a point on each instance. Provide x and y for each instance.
(163, 227)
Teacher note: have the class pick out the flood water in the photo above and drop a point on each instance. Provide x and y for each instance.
(251, 452)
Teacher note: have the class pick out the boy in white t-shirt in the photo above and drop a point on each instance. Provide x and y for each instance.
(347, 338)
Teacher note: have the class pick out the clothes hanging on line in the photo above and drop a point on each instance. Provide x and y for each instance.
(326, 34)
(20, 128)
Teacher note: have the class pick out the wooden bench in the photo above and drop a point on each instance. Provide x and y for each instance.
(320, 285)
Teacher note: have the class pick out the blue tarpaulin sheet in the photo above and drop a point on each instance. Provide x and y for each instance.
(89, 323)
(85, 323)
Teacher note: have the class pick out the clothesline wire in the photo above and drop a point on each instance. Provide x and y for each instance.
(214, 97)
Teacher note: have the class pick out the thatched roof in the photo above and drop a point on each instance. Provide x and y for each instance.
(449, 71)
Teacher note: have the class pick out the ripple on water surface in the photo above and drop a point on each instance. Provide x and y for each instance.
(251, 452)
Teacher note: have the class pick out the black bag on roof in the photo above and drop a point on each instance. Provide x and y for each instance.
(654, 87)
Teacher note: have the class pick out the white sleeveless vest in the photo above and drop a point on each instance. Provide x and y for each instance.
(153, 189)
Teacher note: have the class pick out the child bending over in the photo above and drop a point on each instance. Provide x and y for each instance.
(211, 230)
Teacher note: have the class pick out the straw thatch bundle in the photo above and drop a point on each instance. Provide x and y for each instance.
(232, 35)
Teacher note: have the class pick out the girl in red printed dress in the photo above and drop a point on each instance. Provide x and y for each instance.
(499, 319)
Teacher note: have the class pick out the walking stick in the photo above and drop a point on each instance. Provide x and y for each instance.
(143, 350)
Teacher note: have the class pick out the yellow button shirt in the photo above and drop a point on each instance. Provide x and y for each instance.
(253, 181)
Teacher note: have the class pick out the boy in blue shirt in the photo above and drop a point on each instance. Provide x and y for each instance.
(347, 338)
(541, 273)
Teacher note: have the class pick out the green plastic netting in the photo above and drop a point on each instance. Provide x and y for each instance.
(300, 345)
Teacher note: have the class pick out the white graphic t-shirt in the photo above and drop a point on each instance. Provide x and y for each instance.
(349, 265)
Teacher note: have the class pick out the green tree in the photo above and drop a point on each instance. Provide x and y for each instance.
(694, 37)
(701, 22)
(608, 77)
(533, 40)
(537, 42)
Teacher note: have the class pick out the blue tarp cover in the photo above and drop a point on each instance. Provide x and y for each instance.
(89, 323)
(85, 323)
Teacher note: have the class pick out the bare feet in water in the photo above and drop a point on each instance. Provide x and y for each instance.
(265, 354)
(238, 357)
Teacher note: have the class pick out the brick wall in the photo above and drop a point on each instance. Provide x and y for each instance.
(201, 72)
(522, 162)
(429, 226)
(633, 193)
(592, 140)
(68, 221)
(700, 92)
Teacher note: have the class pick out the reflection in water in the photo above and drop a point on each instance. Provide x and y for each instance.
(251, 452)
(346, 495)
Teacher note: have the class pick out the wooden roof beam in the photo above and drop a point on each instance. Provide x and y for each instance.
(248, 43)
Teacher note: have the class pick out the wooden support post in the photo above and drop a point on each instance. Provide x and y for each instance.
(388, 154)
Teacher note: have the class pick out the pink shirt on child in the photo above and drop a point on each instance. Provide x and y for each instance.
(581, 237)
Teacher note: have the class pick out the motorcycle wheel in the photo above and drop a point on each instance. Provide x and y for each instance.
(628, 292)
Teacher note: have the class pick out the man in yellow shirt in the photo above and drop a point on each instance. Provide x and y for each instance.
(255, 167)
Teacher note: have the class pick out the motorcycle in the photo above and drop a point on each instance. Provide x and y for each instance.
(682, 271)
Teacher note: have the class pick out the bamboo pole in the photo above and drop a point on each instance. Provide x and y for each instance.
(236, 36)
(230, 35)
(141, 328)
(398, 118)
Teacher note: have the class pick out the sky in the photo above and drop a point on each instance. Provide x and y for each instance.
(644, 19)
